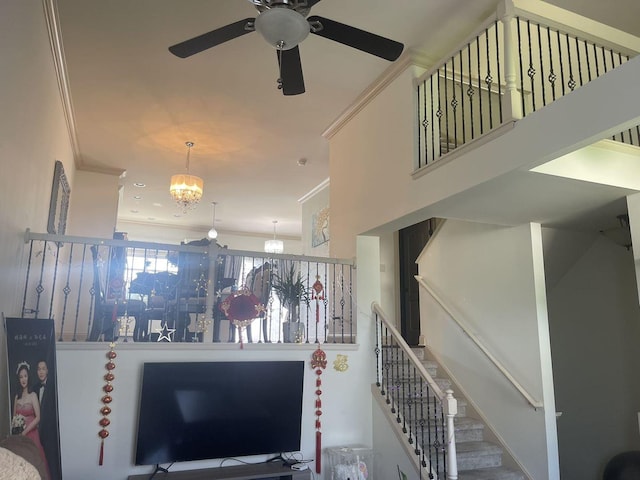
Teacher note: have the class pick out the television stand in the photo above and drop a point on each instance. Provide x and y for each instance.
(254, 471)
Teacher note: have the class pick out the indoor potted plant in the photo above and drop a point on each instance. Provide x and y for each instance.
(291, 291)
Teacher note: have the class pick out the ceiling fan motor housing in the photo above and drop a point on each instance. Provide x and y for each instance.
(282, 27)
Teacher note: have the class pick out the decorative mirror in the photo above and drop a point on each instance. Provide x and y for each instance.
(59, 204)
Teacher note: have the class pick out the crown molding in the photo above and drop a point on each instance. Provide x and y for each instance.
(105, 170)
(315, 190)
(60, 65)
(408, 59)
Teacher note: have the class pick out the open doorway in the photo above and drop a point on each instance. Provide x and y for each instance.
(411, 241)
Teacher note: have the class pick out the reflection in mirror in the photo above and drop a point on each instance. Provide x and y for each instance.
(59, 204)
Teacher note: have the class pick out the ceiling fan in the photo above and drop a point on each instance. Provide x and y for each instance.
(284, 24)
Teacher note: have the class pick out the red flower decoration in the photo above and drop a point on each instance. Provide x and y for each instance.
(242, 306)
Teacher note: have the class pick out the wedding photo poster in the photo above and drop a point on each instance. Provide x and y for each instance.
(31, 361)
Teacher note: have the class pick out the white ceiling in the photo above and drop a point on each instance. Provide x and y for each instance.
(136, 104)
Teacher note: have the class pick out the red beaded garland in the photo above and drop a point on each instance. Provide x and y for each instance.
(318, 362)
(106, 399)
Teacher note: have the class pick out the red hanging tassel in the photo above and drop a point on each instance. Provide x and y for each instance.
(318, 452)
(101, 453)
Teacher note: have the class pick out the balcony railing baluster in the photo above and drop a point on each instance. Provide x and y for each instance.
(414, 400)
(545, 55)
(140, 287)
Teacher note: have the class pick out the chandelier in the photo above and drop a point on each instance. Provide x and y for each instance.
(186, 189)
(274, 246)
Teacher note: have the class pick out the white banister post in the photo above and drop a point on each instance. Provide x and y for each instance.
(512, 102)
(451, 405)
(211, 289)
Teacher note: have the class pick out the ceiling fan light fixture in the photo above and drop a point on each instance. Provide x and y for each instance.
(282, 27)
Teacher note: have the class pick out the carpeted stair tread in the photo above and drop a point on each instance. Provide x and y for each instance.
(493, 473)
(477, 459)
(477, 448)
(467, 423)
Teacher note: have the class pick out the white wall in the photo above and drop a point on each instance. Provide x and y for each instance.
(389, 452)
(594, 319)
(380, 167)
(389, 275)
(33, 136)
(94, 201)
(489, 276)
(387, 193)
(346, 418)
(143, 232)
(633, 209)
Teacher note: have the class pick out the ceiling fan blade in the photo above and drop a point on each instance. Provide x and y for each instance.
(291, 71)
(354, 37)
(211, 39)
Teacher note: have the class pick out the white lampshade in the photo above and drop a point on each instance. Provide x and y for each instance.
(282, 28)
(273, 246)
(186, 189)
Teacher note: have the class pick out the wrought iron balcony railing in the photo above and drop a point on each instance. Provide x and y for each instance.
(97, 289)
(515, 63)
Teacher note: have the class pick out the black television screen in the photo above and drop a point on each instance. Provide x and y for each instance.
(206, 410)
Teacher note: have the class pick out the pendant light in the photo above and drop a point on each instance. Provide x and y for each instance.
(213, 233)
(186, 189)
(274, 246)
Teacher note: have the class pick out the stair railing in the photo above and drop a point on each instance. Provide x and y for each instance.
(424, 411)
(529, 398)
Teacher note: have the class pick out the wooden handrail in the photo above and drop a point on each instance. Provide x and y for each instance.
(532, 401)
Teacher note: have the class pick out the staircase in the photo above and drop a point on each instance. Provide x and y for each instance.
(478, 459)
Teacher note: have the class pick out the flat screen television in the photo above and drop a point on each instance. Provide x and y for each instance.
(207, 410)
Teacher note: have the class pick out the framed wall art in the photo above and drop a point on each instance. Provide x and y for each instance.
(320, 226)
(59, 203)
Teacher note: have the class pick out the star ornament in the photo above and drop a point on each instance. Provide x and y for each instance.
(165, 333)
